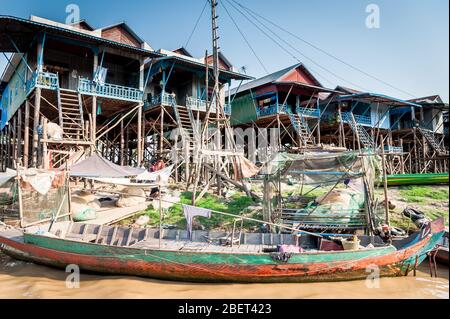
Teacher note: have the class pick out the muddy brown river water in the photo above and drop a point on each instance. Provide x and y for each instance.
(26, 280)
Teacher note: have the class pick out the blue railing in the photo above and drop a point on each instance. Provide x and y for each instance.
(200, 105)
(393, 149)
(86, 86)
(165, 99)
(272, 109)
(227, 109)
(361, 119)
(44, 80)
(308, 111)
(266, 111)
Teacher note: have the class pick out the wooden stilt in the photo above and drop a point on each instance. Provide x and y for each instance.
(386, 199)
(122, 144)
(37, 107)
(19, 137)
(139, 136)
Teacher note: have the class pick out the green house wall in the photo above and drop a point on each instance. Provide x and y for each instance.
(243, 110)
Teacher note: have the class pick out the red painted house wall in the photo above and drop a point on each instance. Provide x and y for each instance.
(299, 75)
(121, 35)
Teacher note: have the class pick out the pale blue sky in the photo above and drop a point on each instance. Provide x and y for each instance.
(410, 50)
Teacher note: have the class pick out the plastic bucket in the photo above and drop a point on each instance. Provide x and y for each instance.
(350, 244)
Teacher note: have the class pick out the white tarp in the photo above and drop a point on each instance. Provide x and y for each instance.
(145, 179)
(96, 166)
(40, 180)
(6, 176)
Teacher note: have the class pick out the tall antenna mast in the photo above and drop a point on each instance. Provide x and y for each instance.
(216, 90)
(215, 43)
(221, 122)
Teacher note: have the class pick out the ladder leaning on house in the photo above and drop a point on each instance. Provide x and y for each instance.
(70, 114)
(364, 138)
(430, 138)
(301, 127)
(185, 125)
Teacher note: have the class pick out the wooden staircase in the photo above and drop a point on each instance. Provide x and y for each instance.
(71, 114)
(302, 129)
(430, 138)
(186, 125)
(364, 138)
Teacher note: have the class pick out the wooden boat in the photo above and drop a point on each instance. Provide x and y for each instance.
(128, 251)
(417, 179)
(442, 253)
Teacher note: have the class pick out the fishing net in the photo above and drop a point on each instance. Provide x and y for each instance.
(44, 195)
(322, 168)
(339, 178)
(9, 208)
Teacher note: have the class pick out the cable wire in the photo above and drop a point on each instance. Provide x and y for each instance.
(292, 47)
(325, 52)
(196, 25)
(245, 38)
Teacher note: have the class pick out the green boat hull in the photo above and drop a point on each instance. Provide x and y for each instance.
(202, 266)
(417, 179)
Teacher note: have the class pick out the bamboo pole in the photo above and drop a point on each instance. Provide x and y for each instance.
(14, 139)
(19, 136)
(26, 138)
(44, 145)
(122, 144)
(386, 199)
(37, 106)
(160, 212)
(139, 135)
(19, 196)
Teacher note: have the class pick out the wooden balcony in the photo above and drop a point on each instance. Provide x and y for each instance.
(44, 80)
(113, 91)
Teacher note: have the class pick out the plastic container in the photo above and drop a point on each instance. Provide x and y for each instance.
(351, 244)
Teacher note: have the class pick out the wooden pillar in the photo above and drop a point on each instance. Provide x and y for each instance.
(386, 199)
(37, 107)
(161, 133)
(14, 141)
(45, 157)
(122, 144)
(139, 136)
(402, 160)
(318, 131)
(26, 133)
(1, 152)
(8, 156)
(140, 149)
(19, 136)
(126, 146)
(94, 105)
(341, 128)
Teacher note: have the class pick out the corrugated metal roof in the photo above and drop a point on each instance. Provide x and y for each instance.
(381, 98)
(127, 27)
(192, 62)
(264, 80)
(6, 23)
(304, 85)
